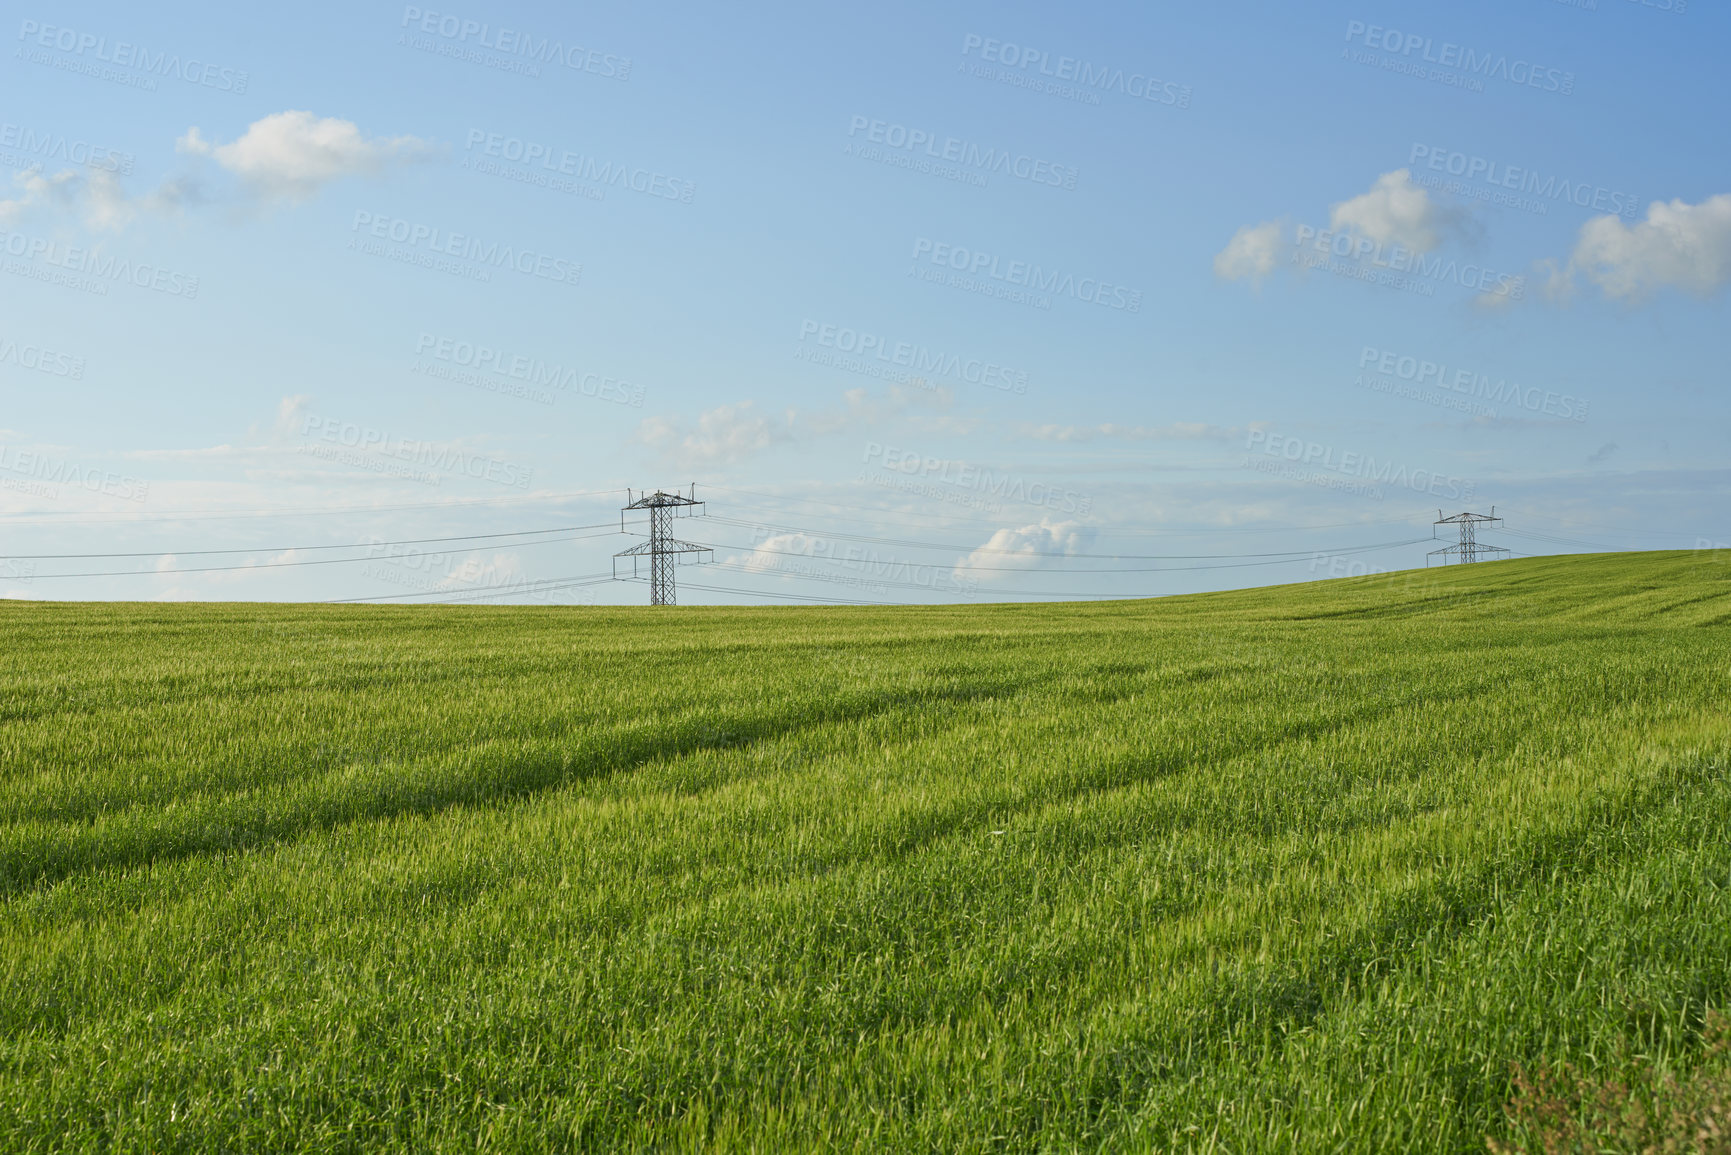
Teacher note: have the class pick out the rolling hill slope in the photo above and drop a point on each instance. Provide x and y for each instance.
(1307, 867)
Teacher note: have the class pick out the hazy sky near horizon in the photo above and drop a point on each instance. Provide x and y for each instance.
(993, 302)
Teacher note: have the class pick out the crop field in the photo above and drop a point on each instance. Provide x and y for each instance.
(1316, 867)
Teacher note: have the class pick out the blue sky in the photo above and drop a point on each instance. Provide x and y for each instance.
(1002, 302)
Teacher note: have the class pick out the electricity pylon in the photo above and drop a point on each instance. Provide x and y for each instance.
(1469, 548)
(662, 549)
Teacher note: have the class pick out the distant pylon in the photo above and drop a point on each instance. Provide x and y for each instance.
(662, 548)
(1469, 548)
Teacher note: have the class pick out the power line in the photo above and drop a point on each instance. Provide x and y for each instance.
(544, 585)
(304, 510)
(1552, 539)
(1610, 528)
(297, 548)
(917, 587)
(882, 512)
(881, 582)
(963, 548)
(657, 548)
(897, 514)
(795, 597)
(1283, 560)
(1073, 594)
(292, 564)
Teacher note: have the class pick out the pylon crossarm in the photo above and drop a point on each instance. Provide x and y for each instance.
(1468, 548)
(662, 549)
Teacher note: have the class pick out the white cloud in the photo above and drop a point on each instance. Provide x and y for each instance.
(1559, 282)
(1679, 245)
(1177, 431)
(60, 191)
(192, 143)
(732, 433)
(1251, 252)
(291, 155)
(285, 156)
(1497, 300)
(1396, 211)
(291, 414)
(767, 554)
(106, 205)
(477, 569)
(1028, 547)
(96, 195)
(723, 435)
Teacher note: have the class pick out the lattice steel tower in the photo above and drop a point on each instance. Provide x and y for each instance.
(662, 549)
(1469, 548)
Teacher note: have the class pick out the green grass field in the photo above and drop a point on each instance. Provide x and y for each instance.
(1304, 868)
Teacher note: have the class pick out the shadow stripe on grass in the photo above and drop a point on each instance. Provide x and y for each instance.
(40, 853)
